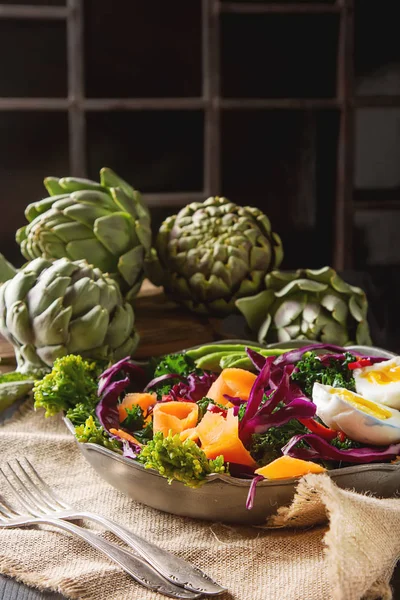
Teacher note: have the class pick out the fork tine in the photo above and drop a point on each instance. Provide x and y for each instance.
(46, 488)
(7, 511)
(35, 490)
(15, 494)
(21, 494)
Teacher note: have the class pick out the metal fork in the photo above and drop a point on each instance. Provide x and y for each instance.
(139, 570)
(43, 501)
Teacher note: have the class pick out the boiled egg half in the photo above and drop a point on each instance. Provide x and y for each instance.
(361, 419)
(380, 382)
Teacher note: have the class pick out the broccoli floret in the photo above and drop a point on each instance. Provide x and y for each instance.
(71, 382)
(91, 433)
(180, 461)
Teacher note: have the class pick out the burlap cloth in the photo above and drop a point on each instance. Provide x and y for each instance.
(350, 558)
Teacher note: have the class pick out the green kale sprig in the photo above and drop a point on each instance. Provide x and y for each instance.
(179, 364)
(90, 432)
(336, 373)
(71, 383)
(179, 461)
(266, 447)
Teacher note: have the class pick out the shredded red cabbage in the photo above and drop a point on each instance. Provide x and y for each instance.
(321, 449)
(293, 356)
(129, 449)
(106, 410)
(125, 366)
(194, 388)
(252, 491)
(256, 358)
(160, 379)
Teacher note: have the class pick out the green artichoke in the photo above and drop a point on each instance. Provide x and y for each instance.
(308, 305)
(214, 252)
(107, 224)
(51, 309)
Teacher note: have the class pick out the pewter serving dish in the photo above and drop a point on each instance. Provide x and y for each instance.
(223, 498)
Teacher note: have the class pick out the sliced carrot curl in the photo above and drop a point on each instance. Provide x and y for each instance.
(287, 466)
(143, 400)
(219, 435)
(125, 436)
(174, 416)
(233, 382)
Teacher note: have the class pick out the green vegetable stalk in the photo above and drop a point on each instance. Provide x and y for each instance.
(14, 386)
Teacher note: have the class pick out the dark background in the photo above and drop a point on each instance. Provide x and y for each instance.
(283, 159)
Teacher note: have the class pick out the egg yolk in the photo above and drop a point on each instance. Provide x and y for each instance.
(384, 375)
(370, 408)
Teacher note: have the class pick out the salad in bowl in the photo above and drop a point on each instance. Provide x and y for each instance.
(234, 411)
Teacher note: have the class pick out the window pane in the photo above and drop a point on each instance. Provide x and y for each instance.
(377, 149)
(32, 146)
(377, 64)
(143, 49)
(275, 55)
(280, 161)
(155, 151)
(34, 62)
(377, 238)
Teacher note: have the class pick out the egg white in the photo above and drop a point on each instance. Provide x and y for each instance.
(339, 414)
(372, 387)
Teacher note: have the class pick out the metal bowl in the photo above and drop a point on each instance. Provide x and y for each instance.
(223, 498)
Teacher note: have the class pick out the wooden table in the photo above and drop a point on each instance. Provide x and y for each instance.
(163, 327)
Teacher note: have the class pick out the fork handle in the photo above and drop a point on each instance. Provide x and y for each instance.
(174, 569)
(133, 565)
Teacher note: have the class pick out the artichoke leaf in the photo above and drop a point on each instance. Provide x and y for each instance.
(43, 294)
(38, 208)
(254, 308)
(51, 326)
(94, 252)
(120, 326)
(311, 311)
(11, 391)
(110, 295)
(124, 202)
(48, 354)
(356, 311)
(52, 186)
(362, 334)
(289, 310)
(301, 284)
(7, 270)
(334, 333)
(73, 184)
(323, 275)
(340, 285)
(116, 232)
(130, 265)
(99, 199)
(128, 347)
(16, 289)
(82, 296)
(18, 321)
(110, 179)
(264, 329)
(88, 331)
(86, 214)
(336, 306)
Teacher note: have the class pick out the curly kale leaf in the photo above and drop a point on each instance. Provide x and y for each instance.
(134, 419)
(204, 403)
(266, 447)
(179, 364)
(72, 381)
(145, 434)
(180, 461)
(332, 371)
(92, 433)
